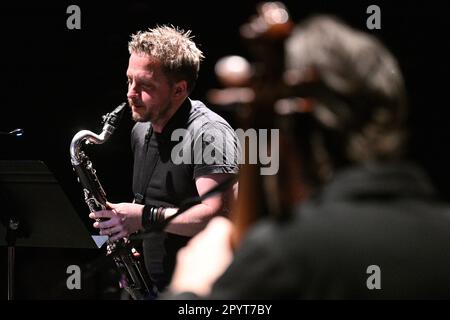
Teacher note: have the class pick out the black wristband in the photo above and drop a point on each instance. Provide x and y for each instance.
(152, 216)
(146, 213)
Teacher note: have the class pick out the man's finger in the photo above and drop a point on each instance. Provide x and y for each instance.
(104, 224)
(101, 214)
(111, 205)
(118, 236)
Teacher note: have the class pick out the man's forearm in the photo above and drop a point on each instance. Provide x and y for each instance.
(190, 222)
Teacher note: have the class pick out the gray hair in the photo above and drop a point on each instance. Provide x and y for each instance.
(362, 99)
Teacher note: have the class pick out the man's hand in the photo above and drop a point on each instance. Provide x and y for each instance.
(123, 220)
(204, 259)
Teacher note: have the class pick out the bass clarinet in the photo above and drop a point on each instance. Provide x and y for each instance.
(134, 278)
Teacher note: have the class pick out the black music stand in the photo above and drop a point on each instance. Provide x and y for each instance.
(37, 212)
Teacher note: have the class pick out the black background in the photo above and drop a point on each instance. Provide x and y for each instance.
(57, 81)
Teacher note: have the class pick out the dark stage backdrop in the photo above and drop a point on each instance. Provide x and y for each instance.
(57, 81)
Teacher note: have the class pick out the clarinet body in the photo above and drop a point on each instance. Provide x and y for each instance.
(134, 278)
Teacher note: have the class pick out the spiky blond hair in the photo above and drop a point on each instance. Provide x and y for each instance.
(173, 47)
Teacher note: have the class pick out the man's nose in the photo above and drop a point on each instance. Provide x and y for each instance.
(132, 92)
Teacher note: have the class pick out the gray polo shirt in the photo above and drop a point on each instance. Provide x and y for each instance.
(194, 143)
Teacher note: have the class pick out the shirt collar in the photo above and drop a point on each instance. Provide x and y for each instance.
(178, 120)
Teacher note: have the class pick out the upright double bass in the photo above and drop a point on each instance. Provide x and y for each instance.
(254, 98)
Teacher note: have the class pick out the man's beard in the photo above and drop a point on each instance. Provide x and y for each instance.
(146, 115)
(138, 116)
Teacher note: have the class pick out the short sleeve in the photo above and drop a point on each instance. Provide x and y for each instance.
(216, 149)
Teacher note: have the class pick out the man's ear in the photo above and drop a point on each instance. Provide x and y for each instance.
(180, 89)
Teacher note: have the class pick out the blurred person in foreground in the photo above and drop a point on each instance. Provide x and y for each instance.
(370, 225)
